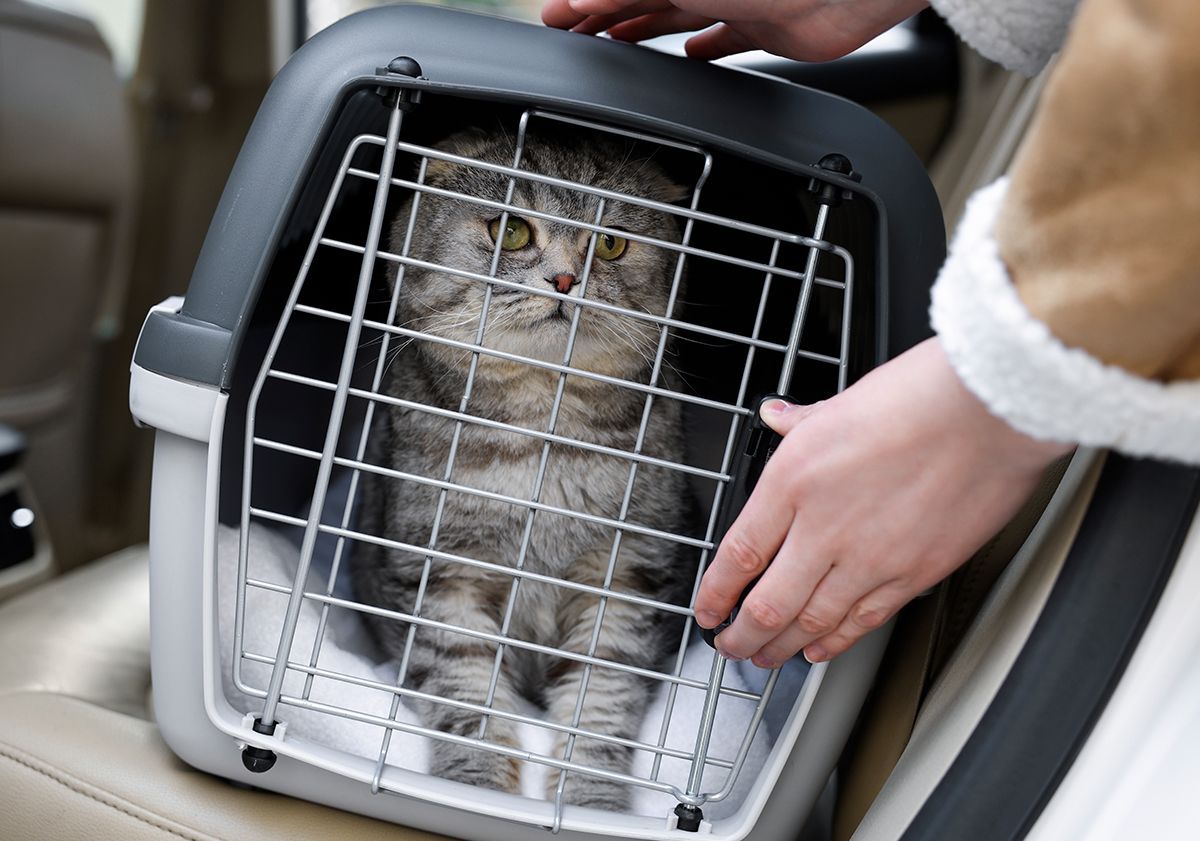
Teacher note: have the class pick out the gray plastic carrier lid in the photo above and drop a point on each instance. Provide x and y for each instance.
(761, 118)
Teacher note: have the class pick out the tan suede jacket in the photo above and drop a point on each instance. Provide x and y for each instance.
(1070, 301)
(1101, 226)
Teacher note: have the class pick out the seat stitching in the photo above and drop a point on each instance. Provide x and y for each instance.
(80, 787)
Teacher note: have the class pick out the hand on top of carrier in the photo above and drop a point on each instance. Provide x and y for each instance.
(873, 497)
(809, 30)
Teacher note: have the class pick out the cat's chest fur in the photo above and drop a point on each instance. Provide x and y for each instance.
(502, 465)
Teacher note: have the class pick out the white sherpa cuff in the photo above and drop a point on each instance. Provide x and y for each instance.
(1020, 34)
(1023, 374)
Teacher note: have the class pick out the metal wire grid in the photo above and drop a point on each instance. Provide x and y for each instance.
(342, 389)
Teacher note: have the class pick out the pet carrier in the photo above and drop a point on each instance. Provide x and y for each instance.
(805, 235)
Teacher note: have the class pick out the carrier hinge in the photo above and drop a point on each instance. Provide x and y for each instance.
(259, 760)
(832, 194)
(689, 817)
(406, 99)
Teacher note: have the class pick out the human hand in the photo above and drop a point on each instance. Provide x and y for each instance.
(809, 30)
(873, 497)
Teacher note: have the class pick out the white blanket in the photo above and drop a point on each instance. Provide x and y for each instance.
(347, 649)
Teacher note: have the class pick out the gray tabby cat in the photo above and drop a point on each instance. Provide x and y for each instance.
(541, 255)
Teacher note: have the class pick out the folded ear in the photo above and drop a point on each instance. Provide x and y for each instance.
(467, 140)
(674, 193)
(474, 142)
(662, 188)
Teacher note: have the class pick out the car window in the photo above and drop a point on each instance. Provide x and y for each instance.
(118, 21)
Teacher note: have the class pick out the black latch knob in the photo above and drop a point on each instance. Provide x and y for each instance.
(406, 99)
(832, 194)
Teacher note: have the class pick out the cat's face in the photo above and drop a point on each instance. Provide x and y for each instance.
(540, 254)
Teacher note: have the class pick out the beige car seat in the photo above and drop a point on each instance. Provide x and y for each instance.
(79, 758)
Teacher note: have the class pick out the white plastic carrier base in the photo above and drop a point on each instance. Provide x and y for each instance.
(200, 725)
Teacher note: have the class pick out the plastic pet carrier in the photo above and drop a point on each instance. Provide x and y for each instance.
(732, 234)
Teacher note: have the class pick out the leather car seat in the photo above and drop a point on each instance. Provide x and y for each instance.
(79, 758)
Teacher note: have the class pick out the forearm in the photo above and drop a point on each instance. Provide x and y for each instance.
(1070, 304)
(1101, 225)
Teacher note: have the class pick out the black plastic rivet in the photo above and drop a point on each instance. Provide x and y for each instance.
(404, 66)
(406, 99)
(831, 194)
(258, 760)
(690, 818)
(836, 163)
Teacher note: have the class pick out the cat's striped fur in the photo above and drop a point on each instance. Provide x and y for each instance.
(457, 666)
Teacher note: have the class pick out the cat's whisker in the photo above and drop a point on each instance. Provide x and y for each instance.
(635, 340)
(682, 337)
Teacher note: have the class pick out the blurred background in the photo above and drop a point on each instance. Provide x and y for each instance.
(119, 123)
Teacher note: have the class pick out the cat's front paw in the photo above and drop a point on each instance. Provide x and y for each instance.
(476, 767)
(594, 792)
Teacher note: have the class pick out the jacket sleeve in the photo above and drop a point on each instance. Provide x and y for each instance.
(1070, 303)
(1019, 34)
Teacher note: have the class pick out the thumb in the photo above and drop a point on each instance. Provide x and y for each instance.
(783, 416)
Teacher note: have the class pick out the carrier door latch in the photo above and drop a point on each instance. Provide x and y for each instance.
(758, 441)
(756, 444)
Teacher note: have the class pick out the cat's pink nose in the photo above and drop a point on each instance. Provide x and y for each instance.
(563, 282)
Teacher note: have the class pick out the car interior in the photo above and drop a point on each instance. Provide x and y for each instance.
(114, 151)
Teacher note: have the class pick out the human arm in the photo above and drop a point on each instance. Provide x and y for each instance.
(1086, 264)
(1069, 310)
(874, 496)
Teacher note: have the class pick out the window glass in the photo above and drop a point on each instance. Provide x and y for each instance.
(320, 13)
(119, 23)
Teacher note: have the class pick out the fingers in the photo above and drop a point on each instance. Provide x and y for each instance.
(752, 542)
(743, 553)
(662, 23)
(608, 7)
(718, 42)
(559, 14)
(641, 20)
(774, 605)
(783, 648)
(822, 637)
(867, 614)
(593, 16)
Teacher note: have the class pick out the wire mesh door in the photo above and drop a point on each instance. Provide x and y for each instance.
(347, 440)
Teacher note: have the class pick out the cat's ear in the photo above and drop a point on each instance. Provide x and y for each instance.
(469, 143)
(663, 189)
(466, 141)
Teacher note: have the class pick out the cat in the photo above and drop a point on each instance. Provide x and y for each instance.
(542, 255)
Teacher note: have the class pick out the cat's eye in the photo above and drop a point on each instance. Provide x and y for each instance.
(516, 233)
(609, 247)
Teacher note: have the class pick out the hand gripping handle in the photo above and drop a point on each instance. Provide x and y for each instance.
(756, 444)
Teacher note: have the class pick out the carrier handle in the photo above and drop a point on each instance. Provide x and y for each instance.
(757, 442)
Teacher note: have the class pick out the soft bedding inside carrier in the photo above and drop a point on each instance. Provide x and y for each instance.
(751, 232)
